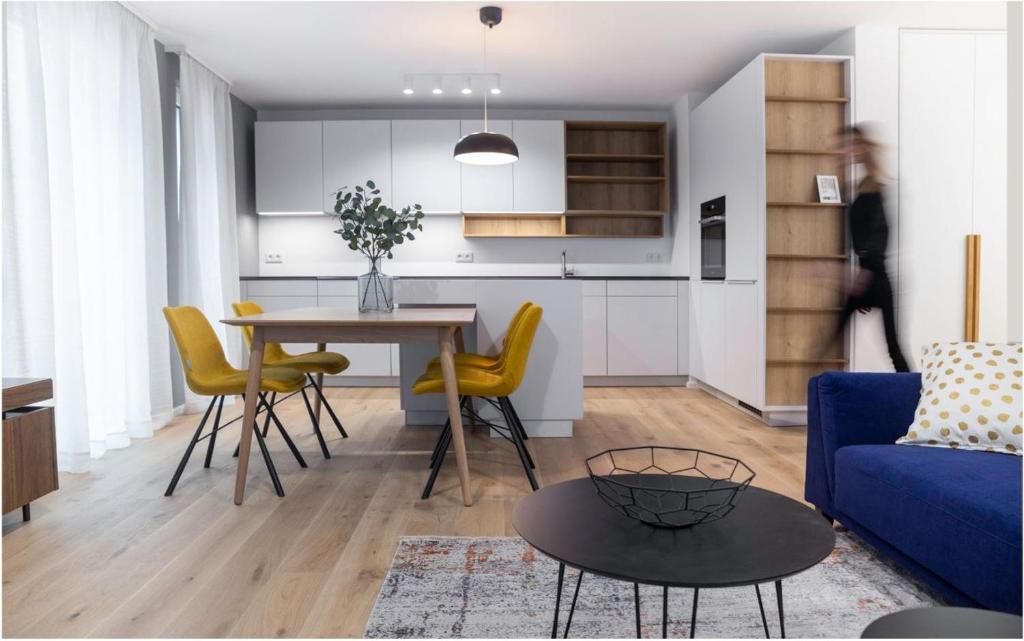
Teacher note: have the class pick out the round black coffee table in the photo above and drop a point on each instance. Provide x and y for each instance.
(766, 538)
(945, 623)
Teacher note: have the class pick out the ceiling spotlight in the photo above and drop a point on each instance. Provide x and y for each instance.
(496, 89)
(408, 90)
(467, 86)
(437, 90)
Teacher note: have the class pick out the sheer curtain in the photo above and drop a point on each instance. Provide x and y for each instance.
(209, 242)
(84, 267)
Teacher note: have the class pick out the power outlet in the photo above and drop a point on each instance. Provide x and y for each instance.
(463, 257)
(272, 258)
(653, 257)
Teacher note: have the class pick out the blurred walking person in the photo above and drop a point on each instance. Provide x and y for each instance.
(869, 231)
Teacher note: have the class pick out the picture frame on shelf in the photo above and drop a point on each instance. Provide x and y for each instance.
(828, 189)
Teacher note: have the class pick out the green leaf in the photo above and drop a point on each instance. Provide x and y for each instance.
(370, 184)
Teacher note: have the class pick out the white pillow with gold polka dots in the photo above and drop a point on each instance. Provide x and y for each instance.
(970, 398)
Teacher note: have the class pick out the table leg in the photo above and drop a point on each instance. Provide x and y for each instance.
(451, 392)
(782, 619)
(572, 606)
(320, 347)
(460, 346)
(693, 613)
(636, 603)
(252, 393)
(558, 600)
(760, 605)
(664, 612)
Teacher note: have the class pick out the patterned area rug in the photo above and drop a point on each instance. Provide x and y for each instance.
(502, 588)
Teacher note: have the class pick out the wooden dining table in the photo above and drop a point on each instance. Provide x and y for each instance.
(322, 325)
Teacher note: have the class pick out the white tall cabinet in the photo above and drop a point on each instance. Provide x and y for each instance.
(953, 184)
(289, 167)
(423, 167)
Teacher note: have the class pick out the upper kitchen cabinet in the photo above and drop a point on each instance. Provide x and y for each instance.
(289, 167)
(356, 151)
(539, 174)
(423, 169)
(486, 188)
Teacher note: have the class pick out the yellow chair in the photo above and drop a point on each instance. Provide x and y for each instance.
(494, 385)
(208, 373)
(480, 360)
(308, 363)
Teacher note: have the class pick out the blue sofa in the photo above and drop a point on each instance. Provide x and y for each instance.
(951, 517)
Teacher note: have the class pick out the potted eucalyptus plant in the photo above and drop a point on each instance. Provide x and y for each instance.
(374, 229)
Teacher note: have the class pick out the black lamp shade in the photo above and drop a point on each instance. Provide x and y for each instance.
(486, 148)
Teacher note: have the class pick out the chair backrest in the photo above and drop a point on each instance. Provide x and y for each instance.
(202, 355)
(510, 330)
(520, 344)
(271, 351)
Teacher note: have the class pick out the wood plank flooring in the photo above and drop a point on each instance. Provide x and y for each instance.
(109, 556)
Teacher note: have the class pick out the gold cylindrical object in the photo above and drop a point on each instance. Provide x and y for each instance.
(972, 297)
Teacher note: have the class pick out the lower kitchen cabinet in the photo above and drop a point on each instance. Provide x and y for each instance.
(595, 336)
(712, 333)
(742, 349)
(642, 335)
(367, 359)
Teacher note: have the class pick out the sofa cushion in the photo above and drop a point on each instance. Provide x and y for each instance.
(955, 512)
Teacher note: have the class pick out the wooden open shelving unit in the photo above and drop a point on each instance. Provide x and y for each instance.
(616, 186)
(805, 105)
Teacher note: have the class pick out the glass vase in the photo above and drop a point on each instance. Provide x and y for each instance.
(376, 290)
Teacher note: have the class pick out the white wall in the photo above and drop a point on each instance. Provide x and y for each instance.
(308, 246)
(682, 246)
(1014, 173)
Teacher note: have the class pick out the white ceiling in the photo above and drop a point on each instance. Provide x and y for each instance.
(550, 54)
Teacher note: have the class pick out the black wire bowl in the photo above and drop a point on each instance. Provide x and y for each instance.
(670, 487)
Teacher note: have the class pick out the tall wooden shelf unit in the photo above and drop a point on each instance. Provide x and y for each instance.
(806, 104)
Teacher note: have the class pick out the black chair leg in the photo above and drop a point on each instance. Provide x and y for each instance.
(278, 488)
(316, 424)
(188, 451)
(440, 440)
(520, 446)
(522, 431)
(280, 428)
(213, 434)
(330, 410)
(445, 442)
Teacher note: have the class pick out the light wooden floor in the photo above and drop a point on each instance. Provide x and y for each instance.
(109, 556)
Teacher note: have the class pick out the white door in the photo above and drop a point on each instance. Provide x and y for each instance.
(642, 335)
(423, 168)
(487, 188)
(595, 336)
(289, 167)
(539, 174)
(712, 332)
(743, 362)
(356, 151)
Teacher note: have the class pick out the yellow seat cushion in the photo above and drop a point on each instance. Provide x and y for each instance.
(274, 379)
(313, 362)
(471, 381)
(469, 359)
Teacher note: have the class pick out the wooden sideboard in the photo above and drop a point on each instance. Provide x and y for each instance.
(29, 443)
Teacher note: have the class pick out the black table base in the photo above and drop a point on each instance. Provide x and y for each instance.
(664, 607)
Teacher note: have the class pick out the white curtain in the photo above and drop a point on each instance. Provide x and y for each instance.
(84, 267)
(209, 242)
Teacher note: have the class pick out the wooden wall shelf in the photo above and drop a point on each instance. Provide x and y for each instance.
(616, 157)
(806, 99)
(615, 179)
(802, 152)
(783, 203)
(615, 212)
(807, 256)
(795, 309)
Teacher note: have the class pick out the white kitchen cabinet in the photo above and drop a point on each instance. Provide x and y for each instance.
(595, 335)
(743, 360)
(356, 151)
(539, 174)
(281, 303)
(487, 188)
(683, 321)
(642, 336)
(696, 347)
(423, 169)
(712, 332)
(289, 167)
(367, 359)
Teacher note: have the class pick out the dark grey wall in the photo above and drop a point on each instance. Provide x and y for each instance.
(243, 121)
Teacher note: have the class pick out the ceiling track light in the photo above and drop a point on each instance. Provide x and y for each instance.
(467, 86)
(496, 88)
(438, 86)
(408, 88)
(485, 147)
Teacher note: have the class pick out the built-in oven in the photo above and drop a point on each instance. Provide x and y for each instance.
(712, 239)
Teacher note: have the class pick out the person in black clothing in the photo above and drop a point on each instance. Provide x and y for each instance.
(869, 232)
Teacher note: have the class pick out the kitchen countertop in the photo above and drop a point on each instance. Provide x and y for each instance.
(472, 278)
